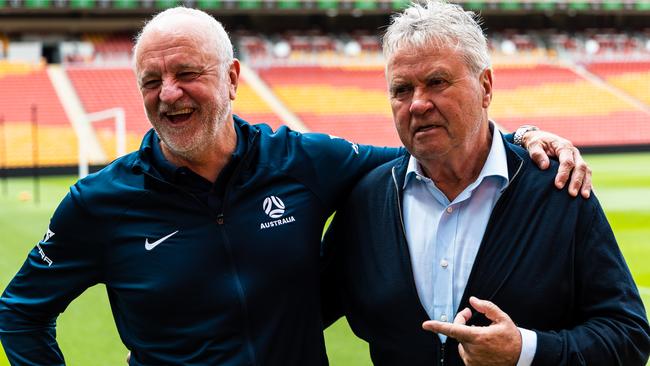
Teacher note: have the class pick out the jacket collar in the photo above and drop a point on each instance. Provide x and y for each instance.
(144, 159)
(515, 155)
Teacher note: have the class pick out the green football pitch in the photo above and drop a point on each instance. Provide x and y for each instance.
(87, 334)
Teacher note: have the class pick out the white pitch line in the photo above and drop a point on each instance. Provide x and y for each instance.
(644, 290)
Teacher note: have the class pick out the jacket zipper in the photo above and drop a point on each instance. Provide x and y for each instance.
(235, 272)
(443, 347)
(399, 201)
(220, 221)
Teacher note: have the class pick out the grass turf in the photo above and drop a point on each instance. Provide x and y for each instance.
(87, 334)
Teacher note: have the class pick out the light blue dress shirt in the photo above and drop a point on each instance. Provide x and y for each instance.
(444, 236)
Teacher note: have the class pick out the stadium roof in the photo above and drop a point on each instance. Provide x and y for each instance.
(331, 7)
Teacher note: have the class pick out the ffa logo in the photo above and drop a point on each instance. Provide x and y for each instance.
(274, 207)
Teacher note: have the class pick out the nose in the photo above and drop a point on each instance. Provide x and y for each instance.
(421, 104)
(170, 92)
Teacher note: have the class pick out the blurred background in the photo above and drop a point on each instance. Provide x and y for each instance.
(69, 105)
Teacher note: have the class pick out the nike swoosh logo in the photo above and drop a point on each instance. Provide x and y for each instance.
(149, 246)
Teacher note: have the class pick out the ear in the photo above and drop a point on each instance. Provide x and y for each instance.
(486, 83)
(233, 74)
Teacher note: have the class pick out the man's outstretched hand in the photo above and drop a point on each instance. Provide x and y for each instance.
(497, 344)
(542, 144)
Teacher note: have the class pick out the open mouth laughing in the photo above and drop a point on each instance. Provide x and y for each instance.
(180, 115)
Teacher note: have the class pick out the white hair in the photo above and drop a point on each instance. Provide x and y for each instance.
(204, 27)
(437, 23)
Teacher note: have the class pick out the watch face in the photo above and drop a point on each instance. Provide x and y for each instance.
(521, 131)
(517, 137)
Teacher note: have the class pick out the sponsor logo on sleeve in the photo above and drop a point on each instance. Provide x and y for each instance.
(43, 256)
(49, 234)
(354, 146)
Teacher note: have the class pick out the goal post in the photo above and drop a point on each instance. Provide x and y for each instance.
(120, 136)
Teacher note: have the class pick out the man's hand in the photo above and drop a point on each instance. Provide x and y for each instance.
(541, 145)
(497, 344)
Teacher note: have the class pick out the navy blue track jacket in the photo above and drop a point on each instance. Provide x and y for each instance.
(189, 285)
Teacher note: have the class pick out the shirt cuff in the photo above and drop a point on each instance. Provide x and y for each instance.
(528, 347)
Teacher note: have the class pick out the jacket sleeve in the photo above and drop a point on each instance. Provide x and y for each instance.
(331, 271)
(59, 268)
(612, 325)
(331, 166)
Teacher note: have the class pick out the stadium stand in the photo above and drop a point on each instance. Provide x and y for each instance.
(252, 108)
(352, 103)
(102, 88)
(631, 77)
(556, 98)
(295, 48)
(23, 87)
(346, 102)
(110, 48)
(588, 84)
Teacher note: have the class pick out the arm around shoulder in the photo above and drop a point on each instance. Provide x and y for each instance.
(331, 166)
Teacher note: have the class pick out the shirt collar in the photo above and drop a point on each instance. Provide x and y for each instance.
(159, 162)
(170, 171)
(496, 164)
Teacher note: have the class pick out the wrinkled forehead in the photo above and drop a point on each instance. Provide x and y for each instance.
(422, 41)
(179, 28)
(429, 54)
(157, 44)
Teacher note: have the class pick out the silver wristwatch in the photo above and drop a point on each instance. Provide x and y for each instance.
(521, 131)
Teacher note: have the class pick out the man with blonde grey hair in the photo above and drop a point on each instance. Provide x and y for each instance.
(207, 238)
(464, 237)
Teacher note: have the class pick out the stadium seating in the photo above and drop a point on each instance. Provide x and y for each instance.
(591, 87)
(631, 77)
(252, 108)
(535, 83)
(104, 88)
(353, 104)
(557, 99)
(110, 48)
(293, 48)
(25, 88)
(346, 102)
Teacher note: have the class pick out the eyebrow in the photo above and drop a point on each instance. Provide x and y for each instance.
(186, 67)
(398, 83)
(440, 73)
(147, 75)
